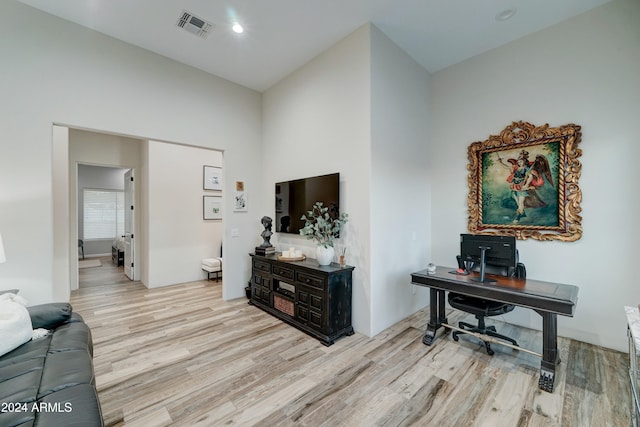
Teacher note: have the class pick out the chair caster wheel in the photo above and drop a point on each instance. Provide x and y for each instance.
(455, 337)
(490, 351)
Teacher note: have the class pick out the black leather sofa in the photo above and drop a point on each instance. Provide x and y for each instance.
(50, 381)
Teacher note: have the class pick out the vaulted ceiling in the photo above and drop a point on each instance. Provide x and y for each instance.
(281, 35)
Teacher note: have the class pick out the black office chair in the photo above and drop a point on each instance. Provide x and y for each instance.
(484, 308)
(81, 247)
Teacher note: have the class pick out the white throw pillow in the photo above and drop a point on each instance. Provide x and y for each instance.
(15, 323)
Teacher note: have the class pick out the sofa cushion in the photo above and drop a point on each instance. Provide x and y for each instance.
(18, 418)
(72, 336)
(21, 387)
(49, 316)
(65, 369)
(74, 406)
(15, 323)
(20, 367)
(29, 350)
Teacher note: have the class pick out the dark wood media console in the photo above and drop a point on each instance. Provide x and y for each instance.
(315, 299)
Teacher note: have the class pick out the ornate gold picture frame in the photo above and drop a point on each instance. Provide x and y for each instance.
(524, 183)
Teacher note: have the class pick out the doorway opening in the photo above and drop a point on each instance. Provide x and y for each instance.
(173, 233)
(104, 224)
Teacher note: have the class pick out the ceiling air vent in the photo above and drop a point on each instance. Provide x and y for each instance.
(194, 25)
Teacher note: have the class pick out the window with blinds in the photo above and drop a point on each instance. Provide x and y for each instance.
(103, 214)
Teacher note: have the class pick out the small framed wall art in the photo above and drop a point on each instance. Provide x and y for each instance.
(212, 178)
(240, 198)
(212, 207)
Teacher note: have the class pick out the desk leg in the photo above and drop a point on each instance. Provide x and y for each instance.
(436, 316)
(550, 355)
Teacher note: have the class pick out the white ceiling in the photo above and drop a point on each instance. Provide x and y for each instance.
(282, 35)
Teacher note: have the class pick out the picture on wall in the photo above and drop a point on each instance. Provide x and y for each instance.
(212, 178)
(240, 198)
(524, 182)
(212, 207)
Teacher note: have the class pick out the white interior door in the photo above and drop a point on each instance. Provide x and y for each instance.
(129, 242)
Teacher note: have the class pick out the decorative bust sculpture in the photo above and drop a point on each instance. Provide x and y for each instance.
(266, 234)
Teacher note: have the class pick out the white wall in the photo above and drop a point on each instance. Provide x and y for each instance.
(100, 178)
(60, 274)
(361, 109)
(317, 121)
(400, 182)
(177, 235)
(57, 72)
(582, 71)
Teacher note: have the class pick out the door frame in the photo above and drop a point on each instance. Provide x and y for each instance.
(65, 218)
(130, 207)
(65, 262)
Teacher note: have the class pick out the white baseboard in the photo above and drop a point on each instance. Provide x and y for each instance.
(95, 255)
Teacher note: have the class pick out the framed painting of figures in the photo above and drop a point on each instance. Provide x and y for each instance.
(524, 182)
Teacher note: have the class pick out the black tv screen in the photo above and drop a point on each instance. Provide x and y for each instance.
(295, 198)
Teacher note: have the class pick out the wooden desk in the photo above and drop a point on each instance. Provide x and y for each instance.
(546, 298)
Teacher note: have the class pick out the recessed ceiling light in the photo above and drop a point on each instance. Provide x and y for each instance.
(237, 28)
(506, 14)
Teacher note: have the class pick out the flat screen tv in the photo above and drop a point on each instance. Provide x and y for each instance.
(295, 198)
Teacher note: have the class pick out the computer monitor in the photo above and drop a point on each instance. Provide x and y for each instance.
(487, 249)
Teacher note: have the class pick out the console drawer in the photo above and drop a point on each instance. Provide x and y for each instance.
(284, 272)
(315, 301)
(261, 294)
(315, 320)
(262, 266)
(261, 280)
(303, 297)
(302, 313)
(265, 296)
(310, 280)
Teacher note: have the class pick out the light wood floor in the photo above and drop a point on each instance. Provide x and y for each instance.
(108, 272)
(182, 356)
